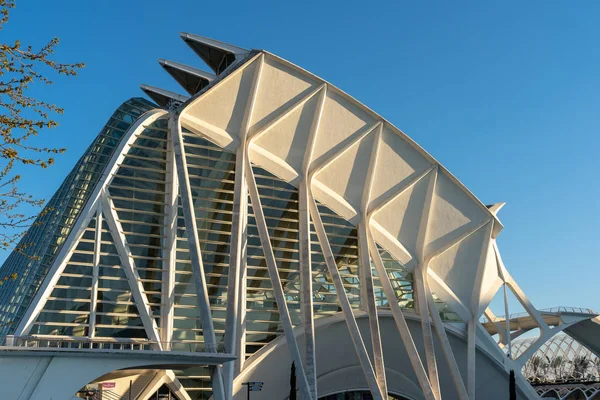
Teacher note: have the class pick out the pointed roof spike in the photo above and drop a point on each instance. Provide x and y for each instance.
(191, 79)
(217, 55)
(162, 97)
(494, 208)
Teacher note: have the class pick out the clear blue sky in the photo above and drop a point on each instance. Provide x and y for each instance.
(505, 94)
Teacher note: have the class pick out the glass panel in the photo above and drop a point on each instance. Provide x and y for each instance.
(44, 239)
(211, 174)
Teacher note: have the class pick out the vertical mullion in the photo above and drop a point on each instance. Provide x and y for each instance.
(170, 245)
(420, 283)
(95, 273)
(306, 278)
(236, 277)
(306, 286)
(471, 342)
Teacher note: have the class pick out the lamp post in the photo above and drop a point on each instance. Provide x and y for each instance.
(253, 387)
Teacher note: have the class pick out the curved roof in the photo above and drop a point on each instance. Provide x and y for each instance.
(297, 126)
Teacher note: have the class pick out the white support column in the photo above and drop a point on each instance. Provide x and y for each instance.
(440, 331)
(471, 352)
(423, 309)
(401, 324)
(191, 228)
(137, 289)
(367, 300)
(242, 304)
(170, 247)
(357, 340)
(307, 287)
(286, 320)
(235, 335)
(420, 276)
(306, 277)
(95, 272)
(507, 322)
(371, 307)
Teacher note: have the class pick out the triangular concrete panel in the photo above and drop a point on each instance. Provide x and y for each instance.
(397, 161)
(224, 106)
(491, 280)
(281, 86)
(287, 139)
(341, 120)
(346, 175)
(401, 216)
(458, 266)
(452, 214)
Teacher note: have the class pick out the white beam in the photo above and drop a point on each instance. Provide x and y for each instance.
(236, 278)
(175, 386)
(471, 353)
(306, 278)
(284, 314)
(367, 300)
(306, 285)
(420, 281)
(95, 272)
(170, 249)
(371, 307)
(506, 335)
(357, 340)
(137, 289)
(401, 324)
(191, 228)
(235, 329)
(151, 387)
(440, 331)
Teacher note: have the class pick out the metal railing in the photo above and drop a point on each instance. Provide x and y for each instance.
(560, 309)
(46, 342)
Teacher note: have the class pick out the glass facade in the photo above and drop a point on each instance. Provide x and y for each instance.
(45, 238)
(140, 192)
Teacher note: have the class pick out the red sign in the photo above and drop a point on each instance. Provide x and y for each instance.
(108, 385)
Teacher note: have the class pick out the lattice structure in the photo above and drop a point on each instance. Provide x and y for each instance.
(560, 360)
(569, 391)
